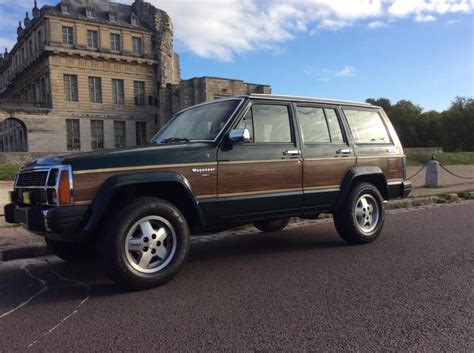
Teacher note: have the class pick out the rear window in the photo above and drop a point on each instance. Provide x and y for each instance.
(367, 126)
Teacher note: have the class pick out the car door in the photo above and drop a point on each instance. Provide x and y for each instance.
(262, 178)
(327, 154)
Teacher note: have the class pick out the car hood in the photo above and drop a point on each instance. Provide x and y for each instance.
(134, 157)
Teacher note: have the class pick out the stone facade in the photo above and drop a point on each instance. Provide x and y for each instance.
(92, 74)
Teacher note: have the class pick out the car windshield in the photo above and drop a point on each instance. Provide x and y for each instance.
(202, 123)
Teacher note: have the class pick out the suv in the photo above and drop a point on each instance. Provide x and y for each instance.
(252, 159)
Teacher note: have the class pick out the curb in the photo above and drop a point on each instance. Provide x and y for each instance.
(15, 252)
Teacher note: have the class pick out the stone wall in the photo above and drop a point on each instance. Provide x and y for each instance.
(424, 150)
(22, 158)
(194, 91)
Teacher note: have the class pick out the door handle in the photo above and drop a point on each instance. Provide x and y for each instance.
(292, 153)
(344, 151)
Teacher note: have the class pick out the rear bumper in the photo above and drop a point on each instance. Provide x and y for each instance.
(399, 189)
(59, 223)
(406, 188)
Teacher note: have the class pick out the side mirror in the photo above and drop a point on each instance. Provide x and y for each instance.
(240, 135)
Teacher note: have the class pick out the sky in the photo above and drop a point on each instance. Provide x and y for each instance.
(421, 50)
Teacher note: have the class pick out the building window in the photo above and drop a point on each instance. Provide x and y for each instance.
(68, 35)
(40, 39)
(30, 47)
(70, 88)
(115, 44)
(73, 135)
(43, 89)
(120, 134)
(140, 127)
(95, 89)
(139, 92)
(97, 134)
(93, 39)
(112, 17)
(137, 45)
(134, 20)
(118, 96)
(65, 9)
(90, 13)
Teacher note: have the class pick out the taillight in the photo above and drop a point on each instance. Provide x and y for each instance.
(64, 189)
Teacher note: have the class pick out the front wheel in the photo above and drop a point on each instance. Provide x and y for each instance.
(146, 244)
(361, 219)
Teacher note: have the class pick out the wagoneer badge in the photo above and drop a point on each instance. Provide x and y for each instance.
(204, 170)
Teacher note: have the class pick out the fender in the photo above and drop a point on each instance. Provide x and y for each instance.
(355, 173)
(113, 184)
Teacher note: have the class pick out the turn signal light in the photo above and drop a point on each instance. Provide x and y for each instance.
(64, 189)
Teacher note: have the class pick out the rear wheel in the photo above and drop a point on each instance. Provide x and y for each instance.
(270, 226)
(146, 244)
(361, 219)
(73, 252)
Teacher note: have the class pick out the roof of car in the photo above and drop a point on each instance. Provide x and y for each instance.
(308, 100)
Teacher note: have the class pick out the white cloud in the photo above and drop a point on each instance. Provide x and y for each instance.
(453, 22)
(377, 25)
(347, 71)
(222, 29)
(425, 18)
(324, 75)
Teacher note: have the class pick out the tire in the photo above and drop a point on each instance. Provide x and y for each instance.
(362, 217)
(145, 244)
(270, 226)
(73, 252)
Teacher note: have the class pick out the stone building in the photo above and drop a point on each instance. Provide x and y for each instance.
(94, 74)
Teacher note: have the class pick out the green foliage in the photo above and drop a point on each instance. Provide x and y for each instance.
(8, 172)
(452, 129)
(447, 158)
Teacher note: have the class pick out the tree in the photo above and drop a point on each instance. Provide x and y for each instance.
(457, 125)
(381, 102)
(404, 116)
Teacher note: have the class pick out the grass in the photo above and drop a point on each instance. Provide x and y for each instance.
(446, 158)
(7, 172)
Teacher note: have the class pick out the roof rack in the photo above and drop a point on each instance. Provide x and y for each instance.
(309, 99)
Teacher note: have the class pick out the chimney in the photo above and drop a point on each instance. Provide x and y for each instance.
(36, 10)
(19, 30)
(27, 21)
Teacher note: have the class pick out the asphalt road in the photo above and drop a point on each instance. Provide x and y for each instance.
(301, 289)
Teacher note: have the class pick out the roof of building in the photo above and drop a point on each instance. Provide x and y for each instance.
(101, 10)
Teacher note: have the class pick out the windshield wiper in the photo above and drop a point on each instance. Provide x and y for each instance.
(175, 139)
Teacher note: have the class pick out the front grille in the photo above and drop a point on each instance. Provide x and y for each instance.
(32, 179)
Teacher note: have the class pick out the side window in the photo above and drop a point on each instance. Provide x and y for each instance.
(319, 125)
(247, 123)
(271, 123)
(367, 126)
(334, 126)
(313, 125)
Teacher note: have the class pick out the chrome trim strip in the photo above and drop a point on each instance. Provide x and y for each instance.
(145, 167)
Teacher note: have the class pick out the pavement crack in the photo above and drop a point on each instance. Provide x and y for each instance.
(74, 312)
(45, 288)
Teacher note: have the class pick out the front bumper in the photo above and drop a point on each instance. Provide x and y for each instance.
(58, 223)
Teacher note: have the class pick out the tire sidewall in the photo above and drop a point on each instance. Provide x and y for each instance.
(117, 263)
(357, 192)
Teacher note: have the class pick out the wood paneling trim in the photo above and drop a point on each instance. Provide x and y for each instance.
(146, 167)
